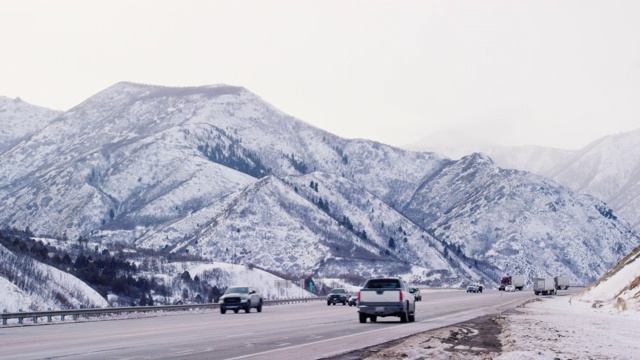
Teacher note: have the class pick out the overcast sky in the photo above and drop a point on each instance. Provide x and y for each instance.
(517, 72)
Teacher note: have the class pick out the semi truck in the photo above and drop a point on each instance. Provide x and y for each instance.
(562, 282)
(516, 280)
(544, 286)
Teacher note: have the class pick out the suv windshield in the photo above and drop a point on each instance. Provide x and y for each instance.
(338, 291)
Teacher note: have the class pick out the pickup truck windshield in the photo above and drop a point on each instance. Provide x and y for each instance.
(237, 290)
(383, 284)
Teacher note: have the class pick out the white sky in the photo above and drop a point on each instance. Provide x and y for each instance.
(551, 73)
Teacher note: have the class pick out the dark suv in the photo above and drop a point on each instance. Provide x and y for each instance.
(338, 296)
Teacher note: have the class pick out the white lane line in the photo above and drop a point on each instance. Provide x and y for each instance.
(311, 343)
(238, 335)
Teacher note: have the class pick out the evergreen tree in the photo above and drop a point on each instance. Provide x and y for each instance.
(143, 300)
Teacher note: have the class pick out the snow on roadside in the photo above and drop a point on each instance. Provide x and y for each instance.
(618, 288)
(561, 328)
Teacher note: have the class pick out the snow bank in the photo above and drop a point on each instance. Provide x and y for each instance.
(618, 288)
(557, 328)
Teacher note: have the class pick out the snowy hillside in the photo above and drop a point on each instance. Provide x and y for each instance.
(619, 287)
(19, 120)
(520, 222)
(30, 285)
(217, 172)
(608, 169)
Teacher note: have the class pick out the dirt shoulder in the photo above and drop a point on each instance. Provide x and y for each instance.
(478, 338)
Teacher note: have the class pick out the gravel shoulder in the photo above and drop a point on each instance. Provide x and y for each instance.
(478, 338)
(547, 328)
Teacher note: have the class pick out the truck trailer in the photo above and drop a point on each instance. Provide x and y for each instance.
(562, 282)
(544, 286)
(516, 280)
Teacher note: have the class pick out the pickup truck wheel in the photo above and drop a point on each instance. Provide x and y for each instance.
(223, 311)
(259, 308)
(344, 303)
(405, 314)
(248, 308)
(403, 317)
(412, 318)
(363, 318)
(374, 318)
(236, 310)
(328, 303)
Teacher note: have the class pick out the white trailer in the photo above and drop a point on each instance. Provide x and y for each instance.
(544, 286)
(562, 282)
(518, 281)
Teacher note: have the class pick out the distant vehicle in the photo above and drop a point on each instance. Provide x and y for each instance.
(544, 286)
(386, 297)
(337, 296)
(474, 288)
(240, 297)
(353, 299)
(415, 292)
(510, 288)
(516, 280)
(562, 282)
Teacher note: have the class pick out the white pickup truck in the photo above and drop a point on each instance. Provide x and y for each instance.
(386, 297)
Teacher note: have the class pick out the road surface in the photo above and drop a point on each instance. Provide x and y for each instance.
(301, 331)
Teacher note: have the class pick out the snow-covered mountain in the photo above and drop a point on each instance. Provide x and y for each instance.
(520, 222)
(216, 171)
(458, 144)
(19, 120)
(608, 168)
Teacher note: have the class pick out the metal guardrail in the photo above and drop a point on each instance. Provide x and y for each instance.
(75, 313)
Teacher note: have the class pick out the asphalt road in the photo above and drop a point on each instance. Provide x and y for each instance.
(301, 331)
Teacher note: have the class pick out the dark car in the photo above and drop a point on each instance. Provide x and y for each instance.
(337, 296)
(416, 293)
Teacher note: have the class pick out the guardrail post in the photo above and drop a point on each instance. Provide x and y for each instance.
(75, 316)
(4, 320)
(20, 319)
(49, 316)
(61, 317)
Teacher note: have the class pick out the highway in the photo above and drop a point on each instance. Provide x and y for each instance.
(301, 331)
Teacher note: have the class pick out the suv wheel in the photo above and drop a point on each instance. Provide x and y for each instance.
(223, 311)
(259, 308)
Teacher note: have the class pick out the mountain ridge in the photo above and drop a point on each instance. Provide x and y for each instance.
(144, 164)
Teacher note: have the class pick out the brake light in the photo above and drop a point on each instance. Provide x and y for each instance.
(400, 292)
(358, 296)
